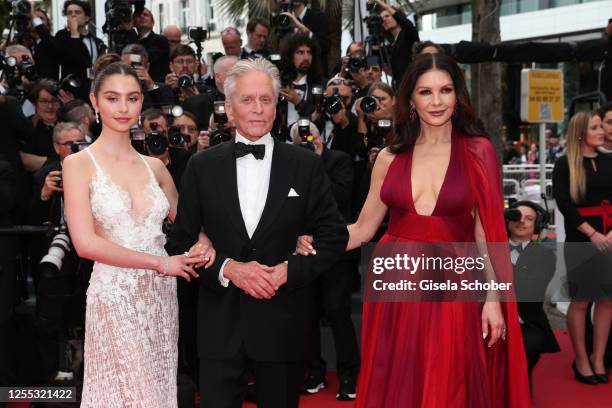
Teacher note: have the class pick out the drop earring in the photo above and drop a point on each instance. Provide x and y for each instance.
(412, 113)
(97, 117)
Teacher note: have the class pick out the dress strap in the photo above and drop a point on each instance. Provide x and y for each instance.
(93, 159)
(150, 170)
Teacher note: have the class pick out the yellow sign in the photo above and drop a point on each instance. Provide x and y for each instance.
(542, 95)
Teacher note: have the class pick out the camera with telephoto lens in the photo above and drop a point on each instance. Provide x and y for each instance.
(60, 245)
(374, 24)
(282, 22)
(369, 104)
(176, 138)
(333, 104)
(305, 134)
(221, 133)
(185, 81)
(20, 15)
(71, 83)
(197, 34)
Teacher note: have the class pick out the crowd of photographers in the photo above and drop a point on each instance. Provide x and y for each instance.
(341, 110)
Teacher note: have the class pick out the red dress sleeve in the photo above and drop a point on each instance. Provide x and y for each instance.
(506, 359)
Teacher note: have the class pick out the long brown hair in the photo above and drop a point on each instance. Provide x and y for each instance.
(407, 131)
(576, 133)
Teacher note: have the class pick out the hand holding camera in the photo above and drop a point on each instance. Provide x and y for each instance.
(53, 183)
(291, 95)
(203, 140)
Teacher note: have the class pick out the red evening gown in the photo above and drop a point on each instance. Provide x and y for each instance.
(430, 354)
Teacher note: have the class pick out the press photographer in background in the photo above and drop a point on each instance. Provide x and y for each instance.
(155, 94)
(78, 47)
(18, 75)
(157, 46)
(300, 72)
(372, 112)
(333, 287)
(401, 34)
(62, 277)
(258, 31)
(156, 142)
(533, 265)
(44, 47)
(182, 78)
(44, 96)
(186, 125)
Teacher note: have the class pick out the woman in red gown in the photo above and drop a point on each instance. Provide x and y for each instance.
(441, 183)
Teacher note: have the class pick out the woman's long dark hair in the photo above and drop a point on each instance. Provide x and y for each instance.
(406, 130)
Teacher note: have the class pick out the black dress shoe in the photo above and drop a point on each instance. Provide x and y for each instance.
(585, 379)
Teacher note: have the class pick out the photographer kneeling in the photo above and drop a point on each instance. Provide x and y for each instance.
(374, 115)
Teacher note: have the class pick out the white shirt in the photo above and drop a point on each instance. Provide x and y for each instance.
(603, 150)
(253, 180)
(514, 254)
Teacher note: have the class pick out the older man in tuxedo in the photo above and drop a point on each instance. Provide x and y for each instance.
(258, 195)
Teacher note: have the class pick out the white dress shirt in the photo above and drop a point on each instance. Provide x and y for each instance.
(514, 254)
(253, 180)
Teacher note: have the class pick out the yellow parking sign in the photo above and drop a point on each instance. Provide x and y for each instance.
(542, 95)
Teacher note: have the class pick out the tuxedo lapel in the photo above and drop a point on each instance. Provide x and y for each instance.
(281, 177)
(227, 186)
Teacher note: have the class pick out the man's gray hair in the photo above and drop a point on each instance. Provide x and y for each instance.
(13, 49)
(65, 126)
(230, 30)
(245, 66)
(136, 49)
(222, 61)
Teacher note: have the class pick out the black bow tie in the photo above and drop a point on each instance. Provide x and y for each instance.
(258, 151)
(301, 87)
(518, 248)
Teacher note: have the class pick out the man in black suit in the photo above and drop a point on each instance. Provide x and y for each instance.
(157, 46)
(314, 24)
(256, 197)
(258, 31)
(78, 48)
(534, 267)
(333, 288)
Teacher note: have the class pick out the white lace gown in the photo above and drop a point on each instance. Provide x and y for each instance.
(131, 326)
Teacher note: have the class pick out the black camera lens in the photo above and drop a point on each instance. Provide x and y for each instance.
(219, 135)
(369, 104)
(176, 138)
(185, 81)
(332, 104)
(356, 63)
(28, 70)
(156, 143)
(219, 115)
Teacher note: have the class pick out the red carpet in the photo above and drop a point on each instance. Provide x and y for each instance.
(553, 381)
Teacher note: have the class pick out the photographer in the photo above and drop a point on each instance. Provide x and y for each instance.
(377, 105)
(155, 94)
(232, 41)
(258, 31)
(312, 23)
(157, 145)
(202, 105)
(18, 79)
(181, 79)
(187, 125)
(157, 46)
(80, 112)
(401, 33)
(46, 102)
(57, 310)
(79, 48)
(173, 34)
(300, 73)
(44, 47)
(333, 287)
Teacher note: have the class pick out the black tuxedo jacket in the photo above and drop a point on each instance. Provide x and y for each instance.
(45, 54)
(228, 319)
(533, 271)
(339, 169)
(158, 50)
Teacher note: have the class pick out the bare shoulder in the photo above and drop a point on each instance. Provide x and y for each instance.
(79, 165)
(384, 159)
(159, 169)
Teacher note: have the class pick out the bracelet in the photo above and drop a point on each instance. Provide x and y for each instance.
(164, 266)
(592, 233)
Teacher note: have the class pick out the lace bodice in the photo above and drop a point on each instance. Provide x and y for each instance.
(113, 212)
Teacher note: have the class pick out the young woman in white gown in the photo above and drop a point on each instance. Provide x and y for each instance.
(116, 201)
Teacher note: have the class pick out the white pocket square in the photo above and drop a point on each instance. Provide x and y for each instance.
(293, 193)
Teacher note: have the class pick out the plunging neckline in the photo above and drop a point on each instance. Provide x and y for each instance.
(128, 200)
(450, 161)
